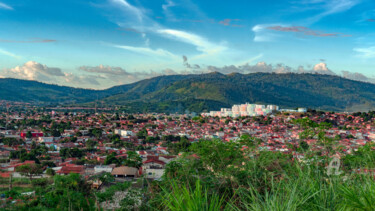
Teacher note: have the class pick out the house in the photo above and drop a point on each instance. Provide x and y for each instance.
(71, 168)
(103, 168)
(153, 168)
(33, 134)
(46, 140)
(125, 172)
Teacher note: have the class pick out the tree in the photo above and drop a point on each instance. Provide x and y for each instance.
(29, 170)
(71, 153)
(91, 143)
(69, 192)
(55, 133)
(133, 160)
(97, 132)
(112, 159)
(142, 134)
(29, 134)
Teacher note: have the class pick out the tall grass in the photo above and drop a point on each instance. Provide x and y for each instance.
(223, 179)
(198, 198)
(309, 189)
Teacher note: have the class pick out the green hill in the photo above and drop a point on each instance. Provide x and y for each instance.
(41, 93)
(215, 90)
(177, 93)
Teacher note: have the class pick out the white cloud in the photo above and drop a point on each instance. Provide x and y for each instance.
(160, 53)
(262, 34)
(326, 7)
(104, 69)
(166, 11)
(144, 23)
(137, 12)
(7, 53)
(322, 68)
(251, 60)
(365, 53)
(33, 71)
(5, 6)
(201, 43)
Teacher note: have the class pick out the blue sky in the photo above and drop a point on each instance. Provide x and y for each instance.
(101, 43)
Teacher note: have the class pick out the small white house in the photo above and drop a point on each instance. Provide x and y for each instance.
(103, 168)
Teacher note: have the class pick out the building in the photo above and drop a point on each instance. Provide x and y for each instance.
(125, 172)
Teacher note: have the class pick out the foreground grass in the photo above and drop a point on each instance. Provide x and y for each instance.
(221, 177)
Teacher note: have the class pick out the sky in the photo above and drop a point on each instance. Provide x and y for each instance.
(102, 43)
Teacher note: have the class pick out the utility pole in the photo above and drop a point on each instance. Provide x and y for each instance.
(7, 120)
(10, 182)
(96, 101)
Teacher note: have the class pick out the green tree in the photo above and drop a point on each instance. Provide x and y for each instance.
(50, 172)
(133, 160)
(29, 170)
(97, 132)
(112, 159)
(29, 134)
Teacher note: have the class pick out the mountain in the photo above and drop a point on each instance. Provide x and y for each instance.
(216, 90)
(41, 93)
(177, 93)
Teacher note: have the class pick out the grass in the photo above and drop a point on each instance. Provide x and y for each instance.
(308, 189)
(197, 198)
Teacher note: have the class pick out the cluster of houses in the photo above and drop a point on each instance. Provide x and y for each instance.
(249, 110)
(277, 135)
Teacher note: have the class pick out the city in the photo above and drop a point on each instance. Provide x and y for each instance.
(187, 105)
(35, 145)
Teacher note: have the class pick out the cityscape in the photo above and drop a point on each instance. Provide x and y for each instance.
(129, 148)
(187, 105)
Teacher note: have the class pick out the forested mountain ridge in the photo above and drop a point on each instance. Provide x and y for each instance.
(177, 93)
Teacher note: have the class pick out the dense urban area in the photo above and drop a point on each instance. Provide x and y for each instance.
(110, 160)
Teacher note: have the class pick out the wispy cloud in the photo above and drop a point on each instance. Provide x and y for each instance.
(166, 10)
(205, 47)
(268, 32)
(137, 12)
(129, 30)
(5, 6)
(7, 53)
(365, 53)
(262, 34)
(228, 22)
(305, 31)
(201, 43)
(161, 53)
(28, 41)
(326, 7)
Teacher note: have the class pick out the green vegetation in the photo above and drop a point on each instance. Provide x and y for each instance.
(217, 175)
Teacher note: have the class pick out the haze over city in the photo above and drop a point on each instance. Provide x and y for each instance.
(101, 43)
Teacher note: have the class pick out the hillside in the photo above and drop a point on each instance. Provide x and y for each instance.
(177, 93)
(215, 90)
(41, 93)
